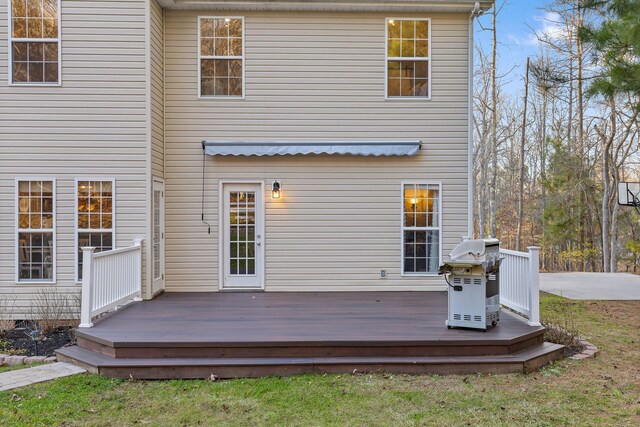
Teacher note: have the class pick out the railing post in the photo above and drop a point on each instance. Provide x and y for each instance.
(138, 242)
(534, 285)
(86, 307)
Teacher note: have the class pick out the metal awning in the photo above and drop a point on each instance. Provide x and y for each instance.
(274, 148)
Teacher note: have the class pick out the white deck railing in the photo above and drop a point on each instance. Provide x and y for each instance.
(109, 279)
(520, 282)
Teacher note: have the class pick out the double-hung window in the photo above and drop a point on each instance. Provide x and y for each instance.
(421, 228)
(35, 230)
(34, 42)
(221, 57)
(408, 58)
(95, 225)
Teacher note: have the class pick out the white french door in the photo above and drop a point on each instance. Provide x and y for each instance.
(157, 237)
(243, 236)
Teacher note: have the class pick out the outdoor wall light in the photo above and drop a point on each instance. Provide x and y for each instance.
(275, 190)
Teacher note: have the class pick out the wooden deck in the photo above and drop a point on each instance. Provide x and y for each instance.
(194, 335)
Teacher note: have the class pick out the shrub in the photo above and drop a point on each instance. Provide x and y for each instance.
(563, 331)
(7, 309)
(51, 309)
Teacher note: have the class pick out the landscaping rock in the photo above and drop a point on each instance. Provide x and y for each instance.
(2, 356)
(589, 350)
(35, 359)
(14, 360)
(51, 359)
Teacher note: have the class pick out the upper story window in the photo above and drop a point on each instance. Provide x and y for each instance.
(35, 231)
(221, 67)
(34, 39)
(408, 58)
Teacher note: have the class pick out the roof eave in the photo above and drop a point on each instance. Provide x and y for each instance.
(335, 5)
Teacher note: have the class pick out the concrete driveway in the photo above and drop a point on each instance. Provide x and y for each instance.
(593, 286)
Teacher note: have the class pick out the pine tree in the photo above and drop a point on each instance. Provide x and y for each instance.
(617, 43)
(563, 209)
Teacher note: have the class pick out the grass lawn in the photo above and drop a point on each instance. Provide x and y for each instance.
(601, 391)
(7, 368)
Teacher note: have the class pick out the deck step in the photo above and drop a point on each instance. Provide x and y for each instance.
(186, 349)
(525, 360)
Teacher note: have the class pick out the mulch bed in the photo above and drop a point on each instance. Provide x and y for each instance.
(18, 341)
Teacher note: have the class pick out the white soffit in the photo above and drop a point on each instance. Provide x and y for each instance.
(331, 6)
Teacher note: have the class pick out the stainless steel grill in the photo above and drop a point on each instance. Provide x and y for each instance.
(473, 276)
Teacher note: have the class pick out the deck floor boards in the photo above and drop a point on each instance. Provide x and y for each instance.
(302, 318)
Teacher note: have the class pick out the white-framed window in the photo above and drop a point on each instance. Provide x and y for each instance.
(34, 42)
(220, 57)
(408, 58)
(421, 228)
(35, 230)
(95, 217)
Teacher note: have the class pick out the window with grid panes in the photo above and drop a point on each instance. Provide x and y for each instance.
(421, 228)
(221, 57)
(95, 225)
(242, 233)
(35, 231)
(34, 35)
(408, 58)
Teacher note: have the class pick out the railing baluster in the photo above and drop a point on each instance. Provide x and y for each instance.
(109, 279)
(519, 282)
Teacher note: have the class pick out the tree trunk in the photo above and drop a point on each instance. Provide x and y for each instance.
(494, 128)
(522, 152)
(606, 187)
(581, 142)
(613, 265)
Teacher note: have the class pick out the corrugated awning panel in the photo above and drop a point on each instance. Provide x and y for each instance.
(279, 148)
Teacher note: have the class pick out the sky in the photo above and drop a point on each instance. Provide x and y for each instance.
(516, 40)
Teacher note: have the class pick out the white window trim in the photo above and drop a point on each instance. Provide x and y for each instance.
(402, 228)
(17, 231)
(76, 230)
(45, 40)
(387, 58)
(200, 96)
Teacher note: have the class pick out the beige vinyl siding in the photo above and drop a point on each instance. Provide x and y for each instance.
(314, 76)
(94, 125)
(157, 89)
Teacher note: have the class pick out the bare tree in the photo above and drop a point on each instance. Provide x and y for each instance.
(569, 208)
(523, 138)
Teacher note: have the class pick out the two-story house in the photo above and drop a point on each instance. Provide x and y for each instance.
(336, 141)
(197, 146)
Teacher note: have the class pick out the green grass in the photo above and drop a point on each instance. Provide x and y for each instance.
(594, 392)
(7, 368)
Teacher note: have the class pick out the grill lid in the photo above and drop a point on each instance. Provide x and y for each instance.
(474, 251)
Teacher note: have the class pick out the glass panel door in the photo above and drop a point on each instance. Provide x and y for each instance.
(242, 233)
(242, 245)
(157, 236)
